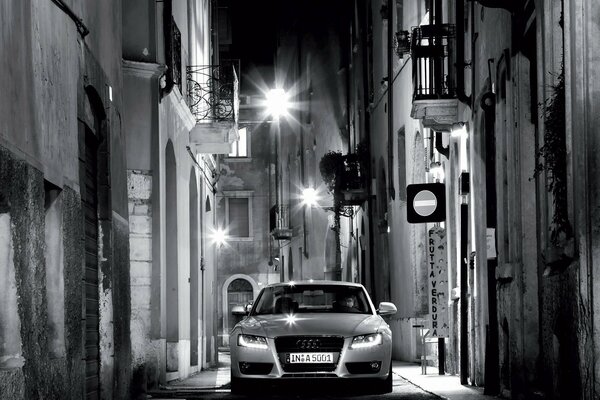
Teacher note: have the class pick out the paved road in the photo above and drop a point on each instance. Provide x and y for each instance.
(402, 390)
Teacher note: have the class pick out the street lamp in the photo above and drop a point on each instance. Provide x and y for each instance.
(277, 102)
(310, 197)
(220, 237)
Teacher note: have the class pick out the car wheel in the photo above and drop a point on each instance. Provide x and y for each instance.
(386, 385)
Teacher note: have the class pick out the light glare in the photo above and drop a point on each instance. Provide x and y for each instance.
(220, 236)
(277, 102)
(310, 197)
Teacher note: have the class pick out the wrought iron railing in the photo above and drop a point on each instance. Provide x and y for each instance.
(402, 43)
(353, 173)
(175, 62)
(432, 49)
(280, 221)
(213, 91)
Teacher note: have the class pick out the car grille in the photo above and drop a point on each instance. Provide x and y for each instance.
(290, 344)
(308, 344)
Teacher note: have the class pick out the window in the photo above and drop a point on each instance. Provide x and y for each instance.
(239, 217)
(399, 15)
(239, 148)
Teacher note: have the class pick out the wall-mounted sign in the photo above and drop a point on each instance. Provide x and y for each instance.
(438, 294)
(426, 202)
(491, 243)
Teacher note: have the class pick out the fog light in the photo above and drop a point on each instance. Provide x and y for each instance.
(244, 366)
(375, 365)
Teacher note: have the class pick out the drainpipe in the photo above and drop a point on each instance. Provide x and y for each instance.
(464, 291)
(460, 53)
(390, 80)
(439, 145)
(168, 44)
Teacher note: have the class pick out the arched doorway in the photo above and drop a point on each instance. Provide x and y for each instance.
(239, 293)
(235, 291)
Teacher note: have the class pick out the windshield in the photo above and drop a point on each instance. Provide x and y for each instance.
(313, 298)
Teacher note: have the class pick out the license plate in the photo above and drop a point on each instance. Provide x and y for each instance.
(309, 358)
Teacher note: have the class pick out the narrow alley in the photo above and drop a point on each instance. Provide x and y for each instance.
(335, 199)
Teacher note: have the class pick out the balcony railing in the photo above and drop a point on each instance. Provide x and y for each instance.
(176, 53)
(280, 222)
(432, 49)
(213, 92)
(353, 181)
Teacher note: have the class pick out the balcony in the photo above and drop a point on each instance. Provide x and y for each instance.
(213, 98)
(345, 176)
(434, 98)
(279, 218)
(353, 188)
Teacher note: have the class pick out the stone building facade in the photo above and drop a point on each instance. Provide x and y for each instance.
(171, 78)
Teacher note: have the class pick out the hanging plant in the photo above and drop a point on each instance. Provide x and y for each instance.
(552, 158)
(330, 166)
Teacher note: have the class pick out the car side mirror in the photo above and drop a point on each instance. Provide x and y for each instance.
(239, 310)
(248, 308)
(386, 308)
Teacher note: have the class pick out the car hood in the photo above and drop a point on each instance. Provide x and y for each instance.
(311, 324)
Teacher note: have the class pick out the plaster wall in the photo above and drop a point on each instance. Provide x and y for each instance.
(581, 26)
(518, 309)
(405, 283)
(139, 31)
(408, 273)
(40, 47)
(175, 122)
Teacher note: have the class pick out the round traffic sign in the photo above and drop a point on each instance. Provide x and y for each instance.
(425, 203)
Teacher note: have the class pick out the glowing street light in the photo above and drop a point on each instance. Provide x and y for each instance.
(220, 236)
(310, 197)
(277, 102)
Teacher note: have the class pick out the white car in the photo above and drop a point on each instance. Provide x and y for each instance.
(316, 330)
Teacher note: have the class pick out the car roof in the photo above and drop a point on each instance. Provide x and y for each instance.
(315, 282)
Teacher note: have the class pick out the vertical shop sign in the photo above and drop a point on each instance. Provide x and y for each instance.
(438, 282)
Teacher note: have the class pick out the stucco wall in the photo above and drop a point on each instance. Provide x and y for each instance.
(41, 63)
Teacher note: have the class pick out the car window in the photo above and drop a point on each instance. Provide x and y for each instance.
(313, 298)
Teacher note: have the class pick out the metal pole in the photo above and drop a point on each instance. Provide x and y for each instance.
(464, 310)
(422, 343)
(441, 355)
(423, 353)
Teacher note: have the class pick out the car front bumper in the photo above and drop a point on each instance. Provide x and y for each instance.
(257, 364)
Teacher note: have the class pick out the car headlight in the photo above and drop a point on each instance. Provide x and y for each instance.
(253, 342)
(366, 341)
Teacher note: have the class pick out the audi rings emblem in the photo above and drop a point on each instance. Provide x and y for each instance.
(308, 344)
